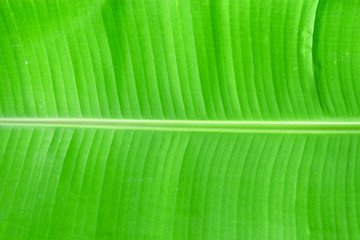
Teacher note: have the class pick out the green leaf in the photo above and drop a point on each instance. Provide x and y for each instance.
(179, 119)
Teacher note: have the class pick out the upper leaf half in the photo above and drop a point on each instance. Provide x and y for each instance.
(188, 59)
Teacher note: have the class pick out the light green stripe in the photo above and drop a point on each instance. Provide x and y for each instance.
(175, 125)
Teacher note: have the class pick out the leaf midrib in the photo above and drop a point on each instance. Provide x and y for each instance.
(188, 125)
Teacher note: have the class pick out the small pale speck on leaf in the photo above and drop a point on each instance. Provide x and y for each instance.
(26, 62)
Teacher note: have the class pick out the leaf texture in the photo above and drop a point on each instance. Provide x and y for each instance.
(167, 59)
(85, 184)
(179, 119)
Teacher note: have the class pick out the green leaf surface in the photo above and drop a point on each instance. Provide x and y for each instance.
(179, 119)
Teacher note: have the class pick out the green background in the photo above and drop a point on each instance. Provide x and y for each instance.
(206, 60)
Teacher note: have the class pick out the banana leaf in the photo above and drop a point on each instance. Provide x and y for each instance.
(179, 119)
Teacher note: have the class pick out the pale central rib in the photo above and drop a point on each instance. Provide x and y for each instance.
(188, 125)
